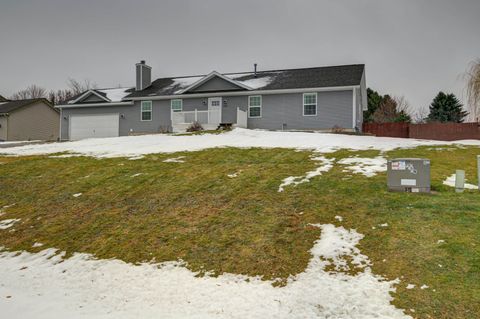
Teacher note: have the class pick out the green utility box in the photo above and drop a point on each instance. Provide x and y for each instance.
(409, 175)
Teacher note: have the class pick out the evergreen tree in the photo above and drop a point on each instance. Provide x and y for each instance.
(374, 100)
(446, 108)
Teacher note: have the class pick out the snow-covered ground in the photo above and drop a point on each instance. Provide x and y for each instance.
(325, 165)
(366, 166)
(44, 285)
(450, 181)
(136, 146)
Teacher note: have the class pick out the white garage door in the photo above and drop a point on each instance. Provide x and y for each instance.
(90, 126)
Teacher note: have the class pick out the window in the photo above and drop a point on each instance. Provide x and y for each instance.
(146, 110)
(216, 103)
(177, 105)
(255, 106)
(309, 104)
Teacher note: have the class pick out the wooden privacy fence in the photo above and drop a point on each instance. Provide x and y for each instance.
(387, 129)
(430, 131)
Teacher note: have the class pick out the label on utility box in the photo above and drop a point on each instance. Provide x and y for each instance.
(408, 182)
(399, 166)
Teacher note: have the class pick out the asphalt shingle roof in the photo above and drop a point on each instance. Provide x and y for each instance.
(331, 76)
(7, 107)
(114, 94)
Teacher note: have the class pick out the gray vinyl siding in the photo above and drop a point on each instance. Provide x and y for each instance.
(92, 98)
(359, 116)
(130, 123)
(363, 98)
(285, 111)
(333, 109)
(279, 111)
(229, 106)
(3, 128)
(216, 84)
(37, 121)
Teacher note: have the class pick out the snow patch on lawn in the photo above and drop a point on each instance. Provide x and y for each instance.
(44, 285)
(2, 209)
(35, 245)
(410, 286)
(137, 146)
(7, 223)
(326, 165)
(137, 174)
(175, 160)
(450, 181)
(339, 218)
(232, 175)
(366, 166)
(77, 195)
(65, 155)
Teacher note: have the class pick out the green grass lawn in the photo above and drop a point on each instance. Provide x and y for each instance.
(195, 212)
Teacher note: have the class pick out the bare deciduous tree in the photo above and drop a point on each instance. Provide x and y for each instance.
(59, 96)
(77, 87)
(55, 96)
(391, 110)
(420, 116)
(31, 92)
(473, 89)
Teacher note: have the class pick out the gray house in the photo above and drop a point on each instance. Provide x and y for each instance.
(32, 119)
(319, 98)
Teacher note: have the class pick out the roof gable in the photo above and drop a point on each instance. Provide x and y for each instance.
(94, 96)
(90, 96)
(215, 82)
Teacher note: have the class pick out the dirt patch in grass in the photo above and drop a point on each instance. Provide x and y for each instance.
(221, 211)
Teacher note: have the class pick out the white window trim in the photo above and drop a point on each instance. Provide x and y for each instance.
(256, 106)
(141, 111)
(316, 104)
(171, 105)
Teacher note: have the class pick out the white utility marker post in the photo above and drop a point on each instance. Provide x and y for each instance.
(459, 181)
(478, 170)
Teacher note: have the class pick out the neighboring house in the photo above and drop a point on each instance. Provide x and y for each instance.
(318, 98)
(24, 120)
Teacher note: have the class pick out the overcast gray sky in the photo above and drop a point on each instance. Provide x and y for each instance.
(411, 47)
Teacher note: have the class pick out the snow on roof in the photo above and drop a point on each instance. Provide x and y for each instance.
(180, 84)
(116, 94)
(257, 83)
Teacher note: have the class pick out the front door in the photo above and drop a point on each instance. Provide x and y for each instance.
(215, 110)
